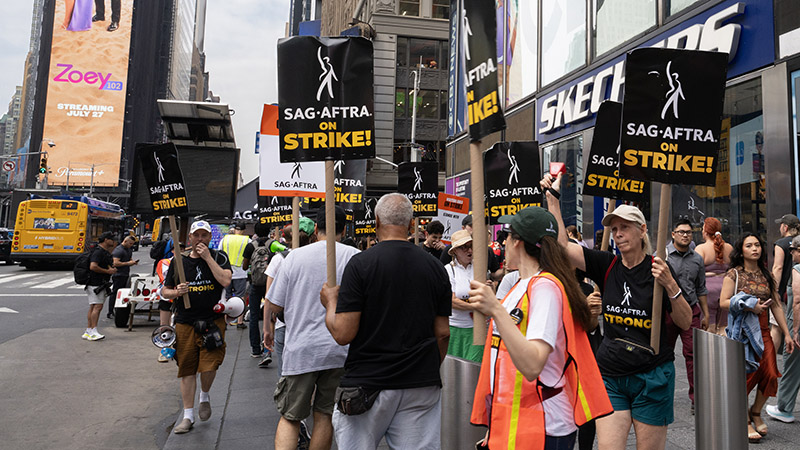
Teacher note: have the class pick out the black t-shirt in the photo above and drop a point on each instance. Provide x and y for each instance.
(627, 311)
(436, 253)
(204, 290)
(492, 263)
(787, 264)
(395, 347)
(248, 250)
(124, 255)
(104, 260)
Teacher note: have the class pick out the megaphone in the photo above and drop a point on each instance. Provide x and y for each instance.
(276, 247)
(233, 307)
(164, 337)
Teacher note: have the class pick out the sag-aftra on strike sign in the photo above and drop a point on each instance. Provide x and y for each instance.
(325, 95)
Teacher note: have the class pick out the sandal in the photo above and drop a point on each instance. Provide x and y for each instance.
(760, 429)
(752, 435)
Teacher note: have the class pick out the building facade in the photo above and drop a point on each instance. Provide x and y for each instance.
(559, 59)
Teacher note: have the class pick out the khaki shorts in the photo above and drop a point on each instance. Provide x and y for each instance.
(294, 393)
(192, 358)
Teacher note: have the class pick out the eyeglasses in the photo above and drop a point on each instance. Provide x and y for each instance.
(683, 232)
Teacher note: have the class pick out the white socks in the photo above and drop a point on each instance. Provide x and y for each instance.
(203, 397)
(189, 414)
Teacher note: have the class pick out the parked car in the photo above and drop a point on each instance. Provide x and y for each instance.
(147, 239)
(6, 236)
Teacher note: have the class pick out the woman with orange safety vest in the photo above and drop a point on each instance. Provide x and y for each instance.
(539, 380)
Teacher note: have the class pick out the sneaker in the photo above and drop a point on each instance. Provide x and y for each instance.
(204, 411)
(777, 414)
(97, 18)
(113, 26)
(183, 427)
(257, 354)
(86, 335)
(162, 358)
(241, 326)
(265, 360)
(304, 439)
(96, 336)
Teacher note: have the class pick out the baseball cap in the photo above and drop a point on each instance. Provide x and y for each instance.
(790, 220)
(532, 224)
(240, 226)
(795, 242)
(108, 235)
(340, 219)
(306, 225)
(200, 225)
(459, 238)
(467, 220)
(625, 212)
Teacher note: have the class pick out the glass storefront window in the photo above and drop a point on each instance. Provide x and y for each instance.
(400, 102)
(563, 37)
(441, 9)
(616, 21)
(427, 104)
(409, 8)
(739, 198)
(676, 6)
(570, 152)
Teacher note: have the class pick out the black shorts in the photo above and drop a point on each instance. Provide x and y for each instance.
(164, 305)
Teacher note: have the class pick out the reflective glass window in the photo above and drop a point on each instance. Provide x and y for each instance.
(441, 9)
(427, 104)
(570, 152)
(409, 7)
(400, 102)
(676, 6)
(428, 50)
(402, 52)
(563, 37)
(521, 58)
(616, 21)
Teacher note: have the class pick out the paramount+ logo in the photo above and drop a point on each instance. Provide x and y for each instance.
(68, 73)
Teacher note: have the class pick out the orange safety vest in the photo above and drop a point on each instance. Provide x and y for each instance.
(514, 413)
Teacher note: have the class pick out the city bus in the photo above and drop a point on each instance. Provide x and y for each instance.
(58, 229)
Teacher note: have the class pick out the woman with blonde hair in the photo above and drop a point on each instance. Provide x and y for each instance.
(716, 254)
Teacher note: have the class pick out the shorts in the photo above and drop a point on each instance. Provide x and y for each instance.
(647, 395)
(96, 299)
(294, 393)
(192, 358)
(164, 305)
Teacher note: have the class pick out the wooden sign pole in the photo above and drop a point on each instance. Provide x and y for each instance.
(330, 225)
(612, 205)
(178, 258)
(416, 230)
(479, 244)
(661, 252)
(295, 222)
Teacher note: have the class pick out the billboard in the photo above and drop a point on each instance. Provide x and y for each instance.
(86, 89)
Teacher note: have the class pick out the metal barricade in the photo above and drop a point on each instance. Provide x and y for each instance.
(459, 378)
(720, 392)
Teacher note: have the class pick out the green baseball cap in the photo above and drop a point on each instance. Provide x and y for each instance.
(306, 225)
(532, 224)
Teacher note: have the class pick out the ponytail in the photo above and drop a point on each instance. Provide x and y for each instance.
(713, 227)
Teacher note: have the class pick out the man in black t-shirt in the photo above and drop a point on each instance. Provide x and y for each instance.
(101, 267)
(396, 322)
(123, 260)
(208, 272)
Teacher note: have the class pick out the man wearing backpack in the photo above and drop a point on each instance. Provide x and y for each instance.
(256, 258)
(101, 267)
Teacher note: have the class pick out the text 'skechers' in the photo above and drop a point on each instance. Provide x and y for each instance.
(326, 99)
(671, 115)
(419, 181)
(480, 63)
(602, 168)
(164, 179)
(511, 170)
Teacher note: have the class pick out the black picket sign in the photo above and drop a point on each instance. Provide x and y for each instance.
(274, 211)
(364, 218)
(672, 115)
(162, 174)
(350, 184)
(512, 172)
(326, 99)
(419, 181)
(484, 111)
(602, 168)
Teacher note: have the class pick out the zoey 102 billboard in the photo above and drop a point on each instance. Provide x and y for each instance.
(86, 86)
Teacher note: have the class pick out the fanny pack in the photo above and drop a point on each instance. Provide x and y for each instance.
(210, 335)
(353, 401)
(633, 353)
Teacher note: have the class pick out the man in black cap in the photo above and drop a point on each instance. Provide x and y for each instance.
(101, 267)
(782, 265)
(493, 264)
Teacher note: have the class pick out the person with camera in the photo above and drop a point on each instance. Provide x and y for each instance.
(101, 267)
(199, 331)
(123, 260)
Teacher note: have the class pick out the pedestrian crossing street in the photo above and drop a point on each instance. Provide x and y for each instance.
(38, 280)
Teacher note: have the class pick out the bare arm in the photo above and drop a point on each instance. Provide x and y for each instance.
(342, 326)
(269, 318)
(94, 267)
(681, 311)
(461, 305)
(780, 317)
(574, 251)
(119, 263)
(703, 300)
(777, 265)
(245, 263)
(726, 293)
(796, 305)
(441, 329)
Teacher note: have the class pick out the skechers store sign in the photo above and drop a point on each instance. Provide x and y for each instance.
(744, 30)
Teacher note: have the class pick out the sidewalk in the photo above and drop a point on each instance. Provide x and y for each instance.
(244, 414)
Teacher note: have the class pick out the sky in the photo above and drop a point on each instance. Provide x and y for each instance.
(240, 47)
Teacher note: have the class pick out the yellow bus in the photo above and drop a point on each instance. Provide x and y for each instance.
(59, 229)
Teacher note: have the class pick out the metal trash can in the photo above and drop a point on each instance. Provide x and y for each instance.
(459, 378)
(720, 392)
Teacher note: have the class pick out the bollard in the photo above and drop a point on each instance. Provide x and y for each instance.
(459, 378)
(720, 392)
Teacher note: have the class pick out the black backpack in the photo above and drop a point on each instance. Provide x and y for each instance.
(81, 270)
(157, 252)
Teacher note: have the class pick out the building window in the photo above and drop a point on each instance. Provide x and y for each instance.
(616, 21)
(427, 104)
(563, 38)
(676, 6)
(409, 8)
(402, 52)
(400, 102)
(425, 50)
(441, 9)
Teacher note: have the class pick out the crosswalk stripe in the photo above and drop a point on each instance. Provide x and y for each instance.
(55, 283)
(17, 277)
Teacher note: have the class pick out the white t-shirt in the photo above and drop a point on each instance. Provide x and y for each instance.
(272, 271)
(460, 277)
(545, 324)
(309, 346)
(506, 284)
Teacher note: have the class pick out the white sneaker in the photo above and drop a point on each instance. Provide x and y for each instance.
(86, 335)
(96, 336)
(777, 414)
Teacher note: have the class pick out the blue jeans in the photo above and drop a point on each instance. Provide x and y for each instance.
(256, 294)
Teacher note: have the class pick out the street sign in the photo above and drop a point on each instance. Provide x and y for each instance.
(9, 166)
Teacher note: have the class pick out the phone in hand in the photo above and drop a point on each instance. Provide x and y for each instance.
(557, 168)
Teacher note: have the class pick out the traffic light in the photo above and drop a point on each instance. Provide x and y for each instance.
(43, 165)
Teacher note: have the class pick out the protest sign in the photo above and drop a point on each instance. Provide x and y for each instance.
(511, 170)
(452, 210)
(602, 168)
(325, 93)
(162, 174)
(419, 181)
(671, 115)
(350, 180)
(364, 218)
(274, 211)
